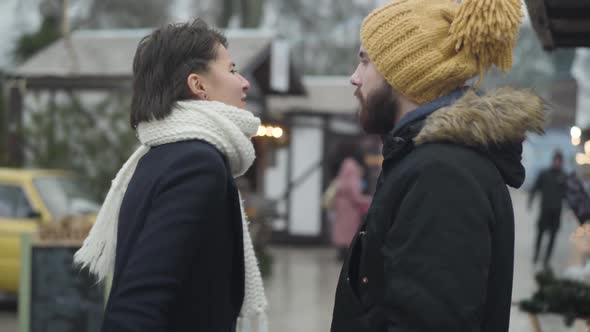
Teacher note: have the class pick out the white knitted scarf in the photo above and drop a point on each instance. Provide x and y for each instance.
(227, 128)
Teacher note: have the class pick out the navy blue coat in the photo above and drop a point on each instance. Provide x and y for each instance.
(180, 261)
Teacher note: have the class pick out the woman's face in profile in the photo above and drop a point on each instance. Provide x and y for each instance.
(223, 83)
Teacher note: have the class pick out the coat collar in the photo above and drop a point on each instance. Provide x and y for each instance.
(469, 118)
(402, 135)
(425, 110)
(494, 124)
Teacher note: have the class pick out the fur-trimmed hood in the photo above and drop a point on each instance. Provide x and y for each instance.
(499, 117)
(495, 124)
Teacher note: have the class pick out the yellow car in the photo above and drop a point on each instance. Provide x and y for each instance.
(29, 198)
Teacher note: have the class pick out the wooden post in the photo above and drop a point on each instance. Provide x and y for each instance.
(65, 20)
(535, 322)
(24, 292)
(15, 144)
(540, 22)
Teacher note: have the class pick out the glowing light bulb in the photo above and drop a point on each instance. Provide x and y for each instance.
(576, 132)
(277, 132)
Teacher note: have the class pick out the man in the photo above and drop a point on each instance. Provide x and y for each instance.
(551, 184)
(436, 250)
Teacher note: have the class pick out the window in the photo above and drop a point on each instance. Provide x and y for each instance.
(14, 203)
(65, 196)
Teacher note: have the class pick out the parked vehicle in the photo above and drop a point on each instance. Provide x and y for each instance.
(28, 199)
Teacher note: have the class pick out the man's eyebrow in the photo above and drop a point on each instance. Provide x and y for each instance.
(232, 65)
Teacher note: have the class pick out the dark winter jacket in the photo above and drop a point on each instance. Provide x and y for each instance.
(179, 264)
(551, 184)
(435, 252)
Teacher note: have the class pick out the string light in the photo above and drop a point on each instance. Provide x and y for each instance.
(576, 132)
(576, 141)
(270, 131)
(278, 132)
(583, 159)
(261, 131)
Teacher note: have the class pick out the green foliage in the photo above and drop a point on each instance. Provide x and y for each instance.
(249, 11)
(568, 298)
(93, 141)
(126, 14)
(265, 261)
(3, 128)
(252, 13)
(29, 44)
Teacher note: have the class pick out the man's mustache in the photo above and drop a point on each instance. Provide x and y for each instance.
(357, 93)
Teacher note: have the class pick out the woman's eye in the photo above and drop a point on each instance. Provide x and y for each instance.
(233, 71)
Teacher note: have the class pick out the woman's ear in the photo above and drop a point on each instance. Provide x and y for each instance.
(196, 86)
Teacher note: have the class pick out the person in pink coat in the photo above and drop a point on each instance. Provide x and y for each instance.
(349, 205)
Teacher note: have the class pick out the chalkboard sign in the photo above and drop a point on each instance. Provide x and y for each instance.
(55, 295)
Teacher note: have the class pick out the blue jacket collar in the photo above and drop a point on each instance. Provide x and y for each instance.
(425, 110)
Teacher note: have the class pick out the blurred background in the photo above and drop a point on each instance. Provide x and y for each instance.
(65, 74)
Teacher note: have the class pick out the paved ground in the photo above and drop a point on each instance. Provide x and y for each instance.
(301, 290)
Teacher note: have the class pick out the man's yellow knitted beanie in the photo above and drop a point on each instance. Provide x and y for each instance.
(428, 48)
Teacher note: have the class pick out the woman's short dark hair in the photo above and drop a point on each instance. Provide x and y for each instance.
(163, 61)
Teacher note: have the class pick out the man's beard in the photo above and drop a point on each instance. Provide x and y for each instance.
(379, 110)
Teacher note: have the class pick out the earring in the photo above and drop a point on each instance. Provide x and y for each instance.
(203, 96)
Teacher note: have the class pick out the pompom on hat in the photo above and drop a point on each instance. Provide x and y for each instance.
(427, 48)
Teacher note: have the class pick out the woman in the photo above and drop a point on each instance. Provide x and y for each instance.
(349, 205)
(171, 232)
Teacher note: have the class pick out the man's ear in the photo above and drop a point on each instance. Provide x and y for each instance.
(196, 86)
